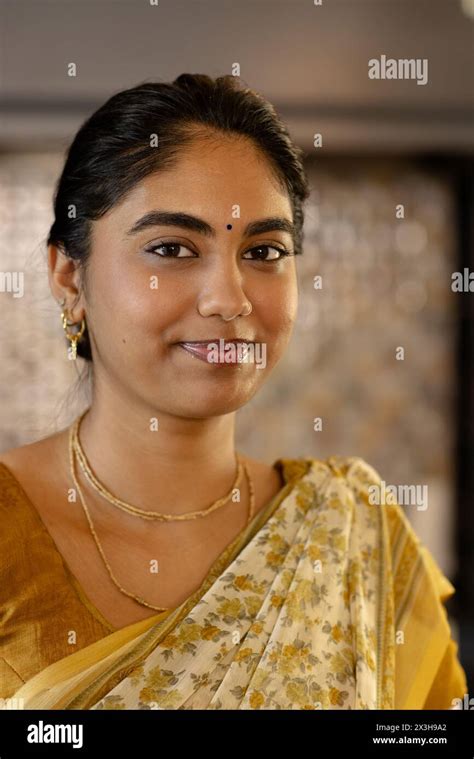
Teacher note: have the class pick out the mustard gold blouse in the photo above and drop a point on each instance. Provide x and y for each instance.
(44, 612)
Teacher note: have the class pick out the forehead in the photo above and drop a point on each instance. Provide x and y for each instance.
(209, 178)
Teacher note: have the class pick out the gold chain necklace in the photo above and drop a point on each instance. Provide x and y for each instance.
(128, 507)
(136, 598)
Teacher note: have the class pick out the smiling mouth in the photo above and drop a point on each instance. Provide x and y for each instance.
(215, 340)
(203, 349)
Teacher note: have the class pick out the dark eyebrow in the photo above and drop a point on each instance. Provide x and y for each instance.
(195, 224)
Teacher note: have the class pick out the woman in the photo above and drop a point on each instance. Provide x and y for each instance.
(150, 565)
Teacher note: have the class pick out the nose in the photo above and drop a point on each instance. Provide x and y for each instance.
(222, 293)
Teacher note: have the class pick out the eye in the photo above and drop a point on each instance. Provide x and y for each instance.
(261, 251)
(172, 250)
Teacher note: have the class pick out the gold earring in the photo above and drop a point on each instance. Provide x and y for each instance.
(73, 337)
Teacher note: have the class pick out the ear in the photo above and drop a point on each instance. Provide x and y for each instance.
(65, 281)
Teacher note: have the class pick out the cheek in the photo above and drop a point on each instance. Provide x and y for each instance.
(277, 307)
(133, 300)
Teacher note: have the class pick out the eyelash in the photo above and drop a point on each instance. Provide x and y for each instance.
(282, 251)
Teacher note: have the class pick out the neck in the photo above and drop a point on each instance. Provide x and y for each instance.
(182, 465)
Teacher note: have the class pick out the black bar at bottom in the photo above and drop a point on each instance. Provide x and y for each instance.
(149, 733)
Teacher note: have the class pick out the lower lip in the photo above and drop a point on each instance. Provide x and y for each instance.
(201, 352)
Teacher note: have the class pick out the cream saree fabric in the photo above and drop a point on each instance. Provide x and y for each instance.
(304, 610)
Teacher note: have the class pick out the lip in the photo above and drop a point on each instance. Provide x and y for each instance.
(216, 340)
(199, 349)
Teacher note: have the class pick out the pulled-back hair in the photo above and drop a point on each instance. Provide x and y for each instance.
(113, 151)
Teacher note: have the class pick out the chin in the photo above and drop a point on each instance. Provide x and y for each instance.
(217, 403)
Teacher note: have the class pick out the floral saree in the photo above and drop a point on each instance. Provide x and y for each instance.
(324, 601)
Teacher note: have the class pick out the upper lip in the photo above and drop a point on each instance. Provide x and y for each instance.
(216, 340)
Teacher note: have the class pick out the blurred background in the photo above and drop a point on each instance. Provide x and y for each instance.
(386, 280)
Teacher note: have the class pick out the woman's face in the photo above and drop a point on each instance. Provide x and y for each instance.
(161, 284)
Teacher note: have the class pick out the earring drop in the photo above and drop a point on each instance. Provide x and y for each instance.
(73, 337)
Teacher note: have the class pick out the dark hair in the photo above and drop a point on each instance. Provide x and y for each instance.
(111, 152)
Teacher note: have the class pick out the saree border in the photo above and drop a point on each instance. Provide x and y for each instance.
(381, 598)
(382, 614)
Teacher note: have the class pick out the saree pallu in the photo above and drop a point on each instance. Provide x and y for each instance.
(324, 601)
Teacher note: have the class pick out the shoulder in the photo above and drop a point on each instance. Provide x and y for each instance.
(354, 483)
(351, 469)
(17, 517)
(27, 471)
(336, 484)
(366, 486)
(350, 473)
(32, 456)
(409, 557)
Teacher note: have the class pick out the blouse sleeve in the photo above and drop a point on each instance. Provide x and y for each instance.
(449, 683)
